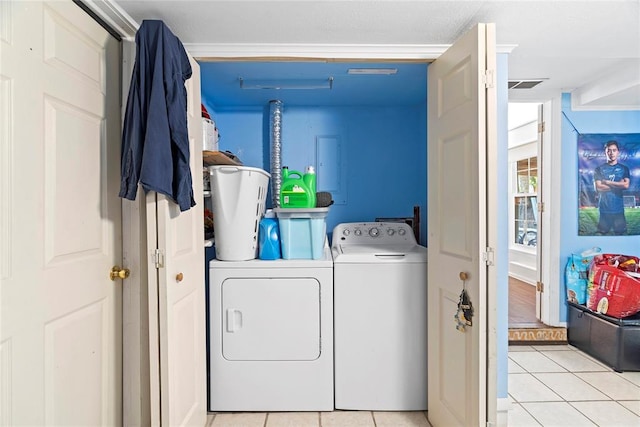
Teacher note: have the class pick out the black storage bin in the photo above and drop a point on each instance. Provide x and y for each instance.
(613, 341)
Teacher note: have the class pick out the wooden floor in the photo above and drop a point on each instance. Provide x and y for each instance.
(524, 328)
(522, 305)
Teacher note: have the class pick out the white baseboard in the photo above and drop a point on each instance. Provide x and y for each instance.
(502, 411)
(524, 272)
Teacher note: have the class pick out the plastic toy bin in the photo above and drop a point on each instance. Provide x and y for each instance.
(302, 232)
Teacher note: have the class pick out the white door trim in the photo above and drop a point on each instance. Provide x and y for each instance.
(114, 16)
(401, 52)
(312, 50)
(551, 275)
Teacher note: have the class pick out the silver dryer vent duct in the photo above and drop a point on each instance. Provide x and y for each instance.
(276, 108)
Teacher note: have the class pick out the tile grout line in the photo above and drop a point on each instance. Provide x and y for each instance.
(519, 365)
(552, 361)
(532, 416)
(520, 403)
(608, 369)
(570, 403)
(585, 415)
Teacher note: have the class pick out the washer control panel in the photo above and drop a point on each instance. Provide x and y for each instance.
(373, 233)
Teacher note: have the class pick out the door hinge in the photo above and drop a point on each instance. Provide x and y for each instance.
(488, 78)
(158, 258)
(539, 286)
(541, 207)
(488, 256)
(540, 127)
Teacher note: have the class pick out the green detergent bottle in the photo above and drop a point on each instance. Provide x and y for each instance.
(298, 190)
(309, 178)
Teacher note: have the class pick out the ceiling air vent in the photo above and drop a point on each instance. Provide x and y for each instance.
(524, 84)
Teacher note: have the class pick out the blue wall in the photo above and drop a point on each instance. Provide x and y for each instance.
(384, 153)
(502, 251)
(570, 242)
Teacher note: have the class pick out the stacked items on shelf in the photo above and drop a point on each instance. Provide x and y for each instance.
(208, 224)
(209, 131)
(302, 227)
(211, 156)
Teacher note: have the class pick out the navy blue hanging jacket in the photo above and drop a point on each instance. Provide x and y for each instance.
(155, 142)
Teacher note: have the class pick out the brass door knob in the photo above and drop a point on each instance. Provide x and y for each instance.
(118, 273)
(179, 277)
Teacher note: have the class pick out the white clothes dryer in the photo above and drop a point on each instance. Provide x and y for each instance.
(380, 317)
(271, 335)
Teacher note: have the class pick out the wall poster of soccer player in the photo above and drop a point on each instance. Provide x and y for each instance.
(609, 184)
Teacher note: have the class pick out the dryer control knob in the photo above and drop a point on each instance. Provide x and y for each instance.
(346, 232)
(391, 232)
(374, 232)
(358, 232)
(402, 232)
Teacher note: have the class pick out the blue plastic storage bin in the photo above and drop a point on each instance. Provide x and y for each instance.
(302, 232)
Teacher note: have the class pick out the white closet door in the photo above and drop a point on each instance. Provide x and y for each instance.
(60, 223)
(462, 230)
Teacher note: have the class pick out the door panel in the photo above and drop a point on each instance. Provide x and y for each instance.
(61, 340)
(179, 284)
(457, 179)
(68, 401)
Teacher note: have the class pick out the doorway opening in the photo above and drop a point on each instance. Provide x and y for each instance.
(525, 237)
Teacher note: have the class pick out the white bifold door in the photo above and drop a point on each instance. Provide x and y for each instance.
(177, 333)
(461, 230)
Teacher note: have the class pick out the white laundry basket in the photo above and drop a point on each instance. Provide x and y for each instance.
(238, 200)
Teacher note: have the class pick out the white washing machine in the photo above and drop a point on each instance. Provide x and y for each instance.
(271, 335)
(380, 317)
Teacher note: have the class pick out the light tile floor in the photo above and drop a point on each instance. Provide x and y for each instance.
(550, 385)
(319, 419)
(562, 386)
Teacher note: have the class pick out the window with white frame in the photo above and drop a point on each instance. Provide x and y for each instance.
(525, 199)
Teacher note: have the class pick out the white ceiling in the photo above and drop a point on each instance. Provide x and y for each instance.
(592, 47)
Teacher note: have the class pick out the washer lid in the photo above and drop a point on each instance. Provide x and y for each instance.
(379, 253)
